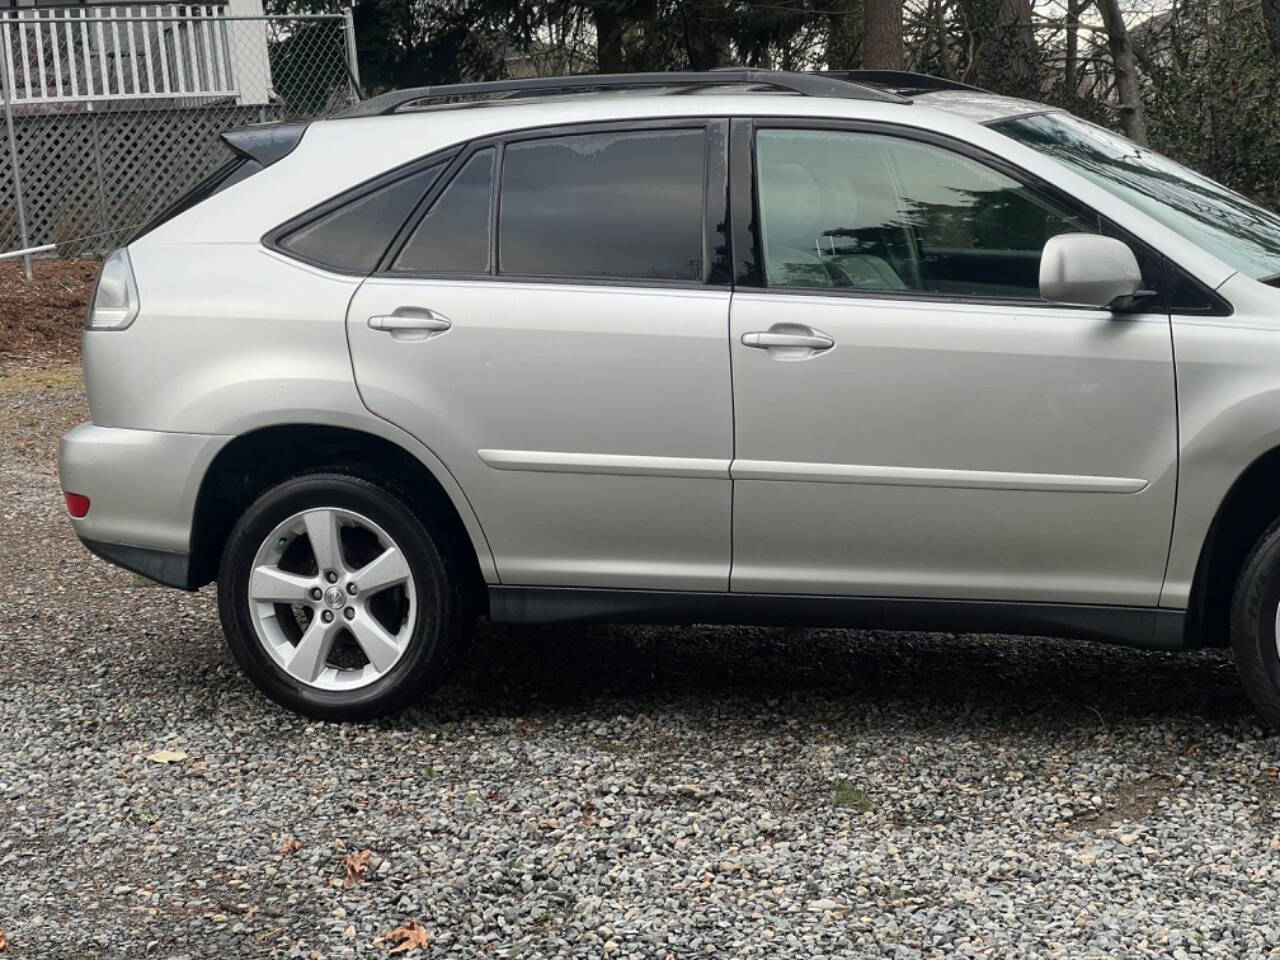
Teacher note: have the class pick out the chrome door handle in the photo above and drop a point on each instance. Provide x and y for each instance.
(425, 321)
(766, 339)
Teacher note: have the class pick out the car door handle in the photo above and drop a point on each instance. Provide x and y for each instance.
(768, 339)
(426, 321)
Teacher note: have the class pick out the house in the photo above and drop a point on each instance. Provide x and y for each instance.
(113, 111)
(93, 53)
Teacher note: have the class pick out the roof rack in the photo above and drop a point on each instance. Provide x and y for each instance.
(898, 80)
(808, 84)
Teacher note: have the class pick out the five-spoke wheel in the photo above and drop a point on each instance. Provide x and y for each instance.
(332, 599)
(337, 599)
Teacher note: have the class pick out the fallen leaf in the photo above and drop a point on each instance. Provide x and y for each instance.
(411, 937)
(356, 865)
(4, 942)
(167, 756)
(291, 846)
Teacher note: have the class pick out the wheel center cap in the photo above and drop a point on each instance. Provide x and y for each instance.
(334, 598)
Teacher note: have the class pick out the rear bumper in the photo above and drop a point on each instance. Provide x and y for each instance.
(142, 487)
(162, 566)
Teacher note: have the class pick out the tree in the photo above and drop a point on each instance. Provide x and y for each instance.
(609, 26)
(882, 34)
(938, 12)
(1271, 13)
(1016, 30)
(1071, 70)
(1132, 114)
(1001, 41)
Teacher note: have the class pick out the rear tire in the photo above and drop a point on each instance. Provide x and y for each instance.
(1255, 609)
(315, 623)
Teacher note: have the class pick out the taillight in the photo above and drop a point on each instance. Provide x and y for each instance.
(77, 505)
(114, 304)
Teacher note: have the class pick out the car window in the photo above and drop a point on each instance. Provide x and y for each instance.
(624, 205)
(886, 214)
(354, 237)
(453, 237)
(1219, 220)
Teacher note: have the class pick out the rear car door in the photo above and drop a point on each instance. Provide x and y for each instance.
(551, 326)
(911, 418)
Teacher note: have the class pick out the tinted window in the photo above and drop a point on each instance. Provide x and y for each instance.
(871, 212)
(626, 205)
(1219, 220)
(353, 237)
(454, 235)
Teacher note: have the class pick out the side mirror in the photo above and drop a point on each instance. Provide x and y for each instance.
(1092, 271)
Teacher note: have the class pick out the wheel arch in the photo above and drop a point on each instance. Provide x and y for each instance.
(256, 460)
(1249, 507)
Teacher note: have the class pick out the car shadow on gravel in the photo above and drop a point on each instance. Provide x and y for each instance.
(515, 671)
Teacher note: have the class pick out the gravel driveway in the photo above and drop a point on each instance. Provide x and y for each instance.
(606, 792)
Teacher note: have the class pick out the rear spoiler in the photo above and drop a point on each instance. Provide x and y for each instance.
(265, 142)
(254, 147)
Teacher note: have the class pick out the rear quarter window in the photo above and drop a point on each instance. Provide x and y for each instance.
(352, 237)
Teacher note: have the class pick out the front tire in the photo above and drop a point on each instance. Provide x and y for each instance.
(1255, 616)
(337, 600)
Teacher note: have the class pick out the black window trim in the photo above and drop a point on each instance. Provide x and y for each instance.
(715, 257)
(748, 249)
(274, 238)
(400, 239)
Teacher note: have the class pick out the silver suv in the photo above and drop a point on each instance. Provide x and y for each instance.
(865, 349)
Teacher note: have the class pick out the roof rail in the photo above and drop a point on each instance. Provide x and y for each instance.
(808, 84)
(898, 80)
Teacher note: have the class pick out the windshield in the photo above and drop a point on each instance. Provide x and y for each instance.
(1237, 231)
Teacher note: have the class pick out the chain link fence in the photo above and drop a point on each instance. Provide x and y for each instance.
(110, 114)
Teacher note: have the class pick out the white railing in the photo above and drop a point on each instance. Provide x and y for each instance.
(78, 54)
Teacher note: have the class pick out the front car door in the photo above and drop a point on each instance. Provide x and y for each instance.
(553, 330)
(911, 420)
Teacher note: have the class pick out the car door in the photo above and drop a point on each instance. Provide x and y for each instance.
(911, 420)
(559, 345)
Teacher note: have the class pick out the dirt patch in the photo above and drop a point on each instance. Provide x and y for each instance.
(1131, 801)
(43, 318)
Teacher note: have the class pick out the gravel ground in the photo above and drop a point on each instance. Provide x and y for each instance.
(606, 792)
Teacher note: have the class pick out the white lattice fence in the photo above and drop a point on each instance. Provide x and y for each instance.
(115, 112)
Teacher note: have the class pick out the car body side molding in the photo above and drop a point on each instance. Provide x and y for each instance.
(931, 477)
(608, 464)
(1148, 628)
(605, 464)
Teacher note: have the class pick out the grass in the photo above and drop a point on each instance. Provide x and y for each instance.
(554, 918)
(40, 378)
(851, 797)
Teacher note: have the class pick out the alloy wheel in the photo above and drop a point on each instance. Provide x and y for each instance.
(332, 599)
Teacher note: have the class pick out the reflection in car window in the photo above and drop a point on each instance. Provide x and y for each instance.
(1233, 228)
(355, 236)
(625, 205)
(454, 235)
(878, 213)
